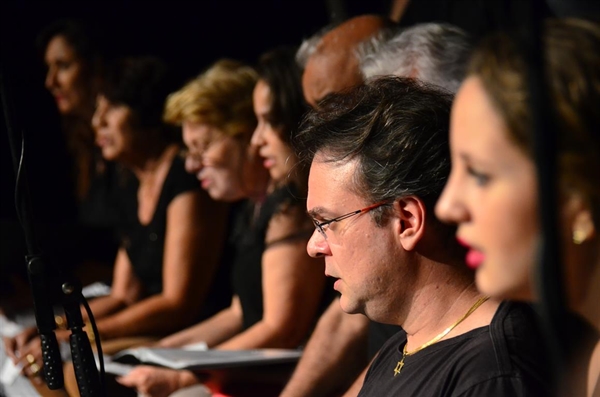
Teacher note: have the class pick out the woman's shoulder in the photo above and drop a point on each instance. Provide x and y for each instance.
(288, 219)
(178, 180)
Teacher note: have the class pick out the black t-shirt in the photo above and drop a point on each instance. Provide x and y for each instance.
(506, 358)
(379, 334)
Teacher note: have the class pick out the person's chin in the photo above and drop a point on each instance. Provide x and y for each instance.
(108, 154)
(348, 306)
(213, 192)
(487, 283)
(276, 175)
(64, 108)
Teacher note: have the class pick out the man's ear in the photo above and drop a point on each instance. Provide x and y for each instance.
(410, 221)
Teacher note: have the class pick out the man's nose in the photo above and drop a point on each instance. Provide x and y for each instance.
(317, 245)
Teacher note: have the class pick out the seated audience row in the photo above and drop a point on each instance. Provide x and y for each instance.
(347, 160)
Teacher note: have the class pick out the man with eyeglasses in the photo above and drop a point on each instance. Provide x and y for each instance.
(338, 353)
(379, 159)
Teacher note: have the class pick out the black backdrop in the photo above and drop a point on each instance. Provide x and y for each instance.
(189, 35)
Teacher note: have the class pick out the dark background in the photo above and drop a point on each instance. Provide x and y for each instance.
(189, 35)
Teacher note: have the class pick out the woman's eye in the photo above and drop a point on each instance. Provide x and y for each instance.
(481, 179)
(63, 65)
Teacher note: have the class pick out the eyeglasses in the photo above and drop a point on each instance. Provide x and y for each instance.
(199, 153)
(321, 225)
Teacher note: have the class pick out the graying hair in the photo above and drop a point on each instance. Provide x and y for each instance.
(435, 53)
(309, 45)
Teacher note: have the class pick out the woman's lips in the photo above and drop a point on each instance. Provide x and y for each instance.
(268, 163)
(205, 183)
(102, 141)
(473, 258)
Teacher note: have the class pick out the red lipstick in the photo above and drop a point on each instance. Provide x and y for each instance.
(474, 258)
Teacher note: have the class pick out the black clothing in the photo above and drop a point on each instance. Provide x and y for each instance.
(98, 218)
(145, 244)
(505, 358)
(247, 270)
(379, 334)
(579, 345)
(221, 291)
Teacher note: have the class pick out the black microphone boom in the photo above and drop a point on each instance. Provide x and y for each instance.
(48, 285)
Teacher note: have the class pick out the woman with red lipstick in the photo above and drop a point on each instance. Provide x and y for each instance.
(279, 290)
(492, 191)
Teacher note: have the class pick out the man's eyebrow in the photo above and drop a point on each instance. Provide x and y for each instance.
(317, 212)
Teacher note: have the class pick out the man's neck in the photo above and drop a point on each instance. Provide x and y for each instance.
(440, 304)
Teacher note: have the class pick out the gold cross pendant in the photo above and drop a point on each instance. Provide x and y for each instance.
(399, 367)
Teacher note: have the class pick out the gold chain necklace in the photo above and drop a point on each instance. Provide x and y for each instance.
(445, 332)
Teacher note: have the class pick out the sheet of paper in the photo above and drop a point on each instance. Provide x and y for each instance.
(9, 372)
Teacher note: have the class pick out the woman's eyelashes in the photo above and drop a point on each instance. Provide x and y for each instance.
(481, 179)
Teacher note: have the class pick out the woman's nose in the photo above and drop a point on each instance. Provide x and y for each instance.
(98, 119)
(256, 139)
(449, 208)
(193, 164)
(50, 81)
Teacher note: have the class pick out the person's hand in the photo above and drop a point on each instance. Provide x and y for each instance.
(14, 345)
(25, 350)
(157, 382)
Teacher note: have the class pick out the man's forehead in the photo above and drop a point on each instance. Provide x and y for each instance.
(328, 176)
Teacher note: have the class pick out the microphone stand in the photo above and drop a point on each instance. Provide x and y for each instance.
(48, 285)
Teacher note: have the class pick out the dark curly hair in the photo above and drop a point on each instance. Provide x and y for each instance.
(142, 84)
(396, 128)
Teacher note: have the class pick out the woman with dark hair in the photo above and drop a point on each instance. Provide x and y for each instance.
(163, 270)
(279, 290)
(74, 60)
(492, 191)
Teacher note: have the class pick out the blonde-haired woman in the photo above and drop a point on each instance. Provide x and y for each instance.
(278, 288)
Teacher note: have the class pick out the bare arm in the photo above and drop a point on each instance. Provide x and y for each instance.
(126, 289)
(329, 363)
(188, 268)
(292, 285)
(213, 331)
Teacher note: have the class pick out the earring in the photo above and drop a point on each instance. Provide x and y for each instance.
(579, 236)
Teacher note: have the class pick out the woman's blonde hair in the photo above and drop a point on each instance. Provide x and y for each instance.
(221, 96)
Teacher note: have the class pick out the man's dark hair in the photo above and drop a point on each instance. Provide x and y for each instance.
(396, 129)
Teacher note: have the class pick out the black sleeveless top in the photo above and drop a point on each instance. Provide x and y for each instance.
(98, 217)
(247, 270)
(145, 244)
